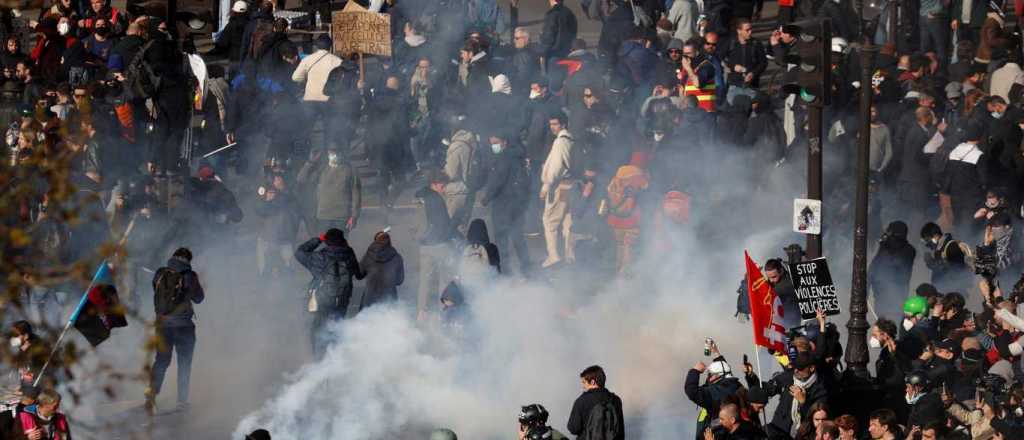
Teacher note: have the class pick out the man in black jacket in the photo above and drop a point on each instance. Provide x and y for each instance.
(798, 389)
(333, 265)
(890, 270)
(594, 394)
(506, 193)
(174, 325)
(925, 403)
(559, 31)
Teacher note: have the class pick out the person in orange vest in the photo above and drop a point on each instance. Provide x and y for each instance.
(624, 215)
(697, 76)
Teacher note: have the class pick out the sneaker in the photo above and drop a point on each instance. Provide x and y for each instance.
(182, 407)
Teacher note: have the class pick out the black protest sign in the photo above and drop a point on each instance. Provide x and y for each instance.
(814, 288)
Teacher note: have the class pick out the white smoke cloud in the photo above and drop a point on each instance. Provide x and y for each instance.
(388, 376)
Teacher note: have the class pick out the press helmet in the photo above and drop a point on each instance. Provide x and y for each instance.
(539, 433)
(915, 305)
(533, 415)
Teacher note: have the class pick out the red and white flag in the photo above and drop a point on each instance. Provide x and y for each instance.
(763, 304)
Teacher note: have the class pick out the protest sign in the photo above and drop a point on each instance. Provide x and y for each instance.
(814, 288)
(356, 30)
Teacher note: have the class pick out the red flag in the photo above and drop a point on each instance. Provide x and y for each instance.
(762, 300)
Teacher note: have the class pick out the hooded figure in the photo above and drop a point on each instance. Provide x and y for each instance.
(890, 270)
(383, 269)
(479, 255)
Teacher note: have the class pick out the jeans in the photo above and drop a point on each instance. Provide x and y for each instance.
(183, 341)
(935, 37)
(320, 338)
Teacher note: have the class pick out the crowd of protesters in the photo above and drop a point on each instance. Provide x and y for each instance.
(598, 148)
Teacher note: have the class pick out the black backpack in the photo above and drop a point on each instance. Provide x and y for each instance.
(169, 290)
(141, 81)
(603, 422)
(332, 286)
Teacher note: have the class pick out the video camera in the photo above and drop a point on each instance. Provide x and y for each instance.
(986, 261)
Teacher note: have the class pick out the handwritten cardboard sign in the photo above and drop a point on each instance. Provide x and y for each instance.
(357, 30)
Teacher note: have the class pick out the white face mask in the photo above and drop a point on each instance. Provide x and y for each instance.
(874, 342)
(534, 94)
(991, 203)
(912, 398)
(997, 115)
(496, 148)
(63, 28)
(658, 137)
(15, 342)
(332, 159)
(907, 324)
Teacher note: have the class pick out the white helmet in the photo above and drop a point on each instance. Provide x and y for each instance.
(839, 44)
(718, 368)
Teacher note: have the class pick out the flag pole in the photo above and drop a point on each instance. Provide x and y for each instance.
(81, 304)
(74, 316)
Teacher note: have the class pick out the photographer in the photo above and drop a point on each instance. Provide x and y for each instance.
(798, 389)
(925, 402)
(710, 396)
(979, 420)
(947, 259)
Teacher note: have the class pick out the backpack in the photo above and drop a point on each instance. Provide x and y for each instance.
(141, 81)
(169, 291)
(262, 32)
(603, 422)
(329, 287)
(476, 172)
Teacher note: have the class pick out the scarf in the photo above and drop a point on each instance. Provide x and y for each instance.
(1003, 251)
(794, 410)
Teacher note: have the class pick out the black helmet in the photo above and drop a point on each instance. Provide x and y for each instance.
(533, 415)
(917, 378)
(539, 433)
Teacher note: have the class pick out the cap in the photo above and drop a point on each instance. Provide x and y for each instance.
(757, 395)
(948, 345)
(240, 7)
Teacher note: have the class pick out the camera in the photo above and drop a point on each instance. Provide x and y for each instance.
(986, 262)
(992, 383)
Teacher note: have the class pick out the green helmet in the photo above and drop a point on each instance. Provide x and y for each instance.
(443, 434)
(915, 305)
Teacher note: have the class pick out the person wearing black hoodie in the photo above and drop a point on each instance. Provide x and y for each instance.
(383, 269)
(333, 266)
(506, 194)
(890, 270)
(175, 328)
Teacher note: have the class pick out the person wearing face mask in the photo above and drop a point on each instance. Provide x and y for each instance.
(893, 361)
(506, 194)
(940, 366)
(339, 191)
(30, 353)
(102, 10)
(946, 258)
(799, 389)
(916, 321)
(923, 399)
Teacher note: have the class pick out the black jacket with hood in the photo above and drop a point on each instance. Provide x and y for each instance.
(384, 271)
(181, 315)
(320, 263)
